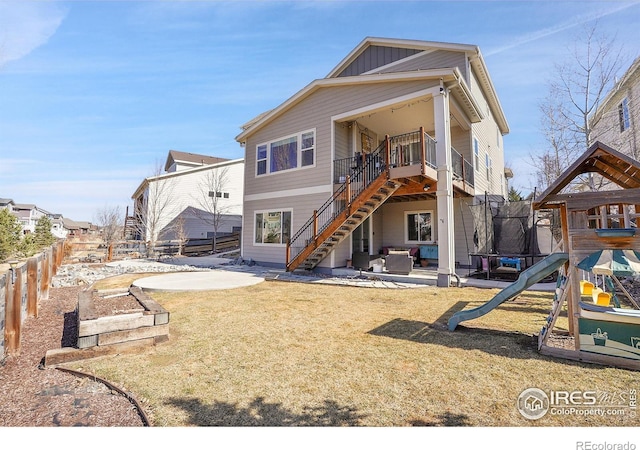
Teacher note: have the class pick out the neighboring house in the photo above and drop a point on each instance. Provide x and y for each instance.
(28, 215)
(378, 154)
(616, 122)
(177, 161)
(7, 203)
(75, 228)
(57, 226)
(178, 199)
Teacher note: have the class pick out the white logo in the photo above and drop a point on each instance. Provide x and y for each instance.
(533, 403)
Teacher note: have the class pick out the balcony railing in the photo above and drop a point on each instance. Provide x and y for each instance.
(406, 150)
(462, 169)
(359, 177)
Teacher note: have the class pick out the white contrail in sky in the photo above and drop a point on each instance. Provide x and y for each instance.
(572, 22)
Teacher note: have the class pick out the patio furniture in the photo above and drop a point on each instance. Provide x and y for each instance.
(399, 262)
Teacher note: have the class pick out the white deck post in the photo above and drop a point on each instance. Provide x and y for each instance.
(444, 193)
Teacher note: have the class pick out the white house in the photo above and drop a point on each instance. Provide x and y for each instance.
(189, 196)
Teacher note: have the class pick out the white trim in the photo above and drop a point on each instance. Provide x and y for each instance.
(322, 189)
(449, 73)
(299, 151)
(267, 211)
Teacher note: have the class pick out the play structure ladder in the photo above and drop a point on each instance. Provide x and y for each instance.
(558, 300)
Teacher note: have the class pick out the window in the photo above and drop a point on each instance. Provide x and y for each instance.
(272, 227)
(623, 115)
(291, 152)
(307, 147)
(476, 154)
(218, 194)
(283, 154)
(487, 163)
(261, 160)
(418, 227)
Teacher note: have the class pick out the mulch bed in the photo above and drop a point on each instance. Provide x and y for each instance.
(33, 395)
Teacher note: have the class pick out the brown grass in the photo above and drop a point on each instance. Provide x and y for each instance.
(288, 354)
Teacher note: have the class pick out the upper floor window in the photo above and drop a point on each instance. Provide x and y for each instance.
(487, 160)
(476, 154)
(623, 115)
(291, 152)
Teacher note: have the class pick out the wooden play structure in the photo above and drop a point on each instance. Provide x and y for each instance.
(603, 318)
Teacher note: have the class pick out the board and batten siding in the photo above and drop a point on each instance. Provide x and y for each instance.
(376, 56)
(430, 60)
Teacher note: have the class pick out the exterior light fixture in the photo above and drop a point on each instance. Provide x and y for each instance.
(13, 264)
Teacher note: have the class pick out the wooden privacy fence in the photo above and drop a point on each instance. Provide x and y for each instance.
(20, 291)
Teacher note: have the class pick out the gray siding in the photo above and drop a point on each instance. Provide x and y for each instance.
(315, 112)
(431, 60)
(302, 208)
(343, 141)
(393, 225)
(375, 56)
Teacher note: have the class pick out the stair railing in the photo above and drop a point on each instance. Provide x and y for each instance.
(367, 168)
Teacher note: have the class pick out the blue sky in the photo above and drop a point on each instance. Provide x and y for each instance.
(95, 93)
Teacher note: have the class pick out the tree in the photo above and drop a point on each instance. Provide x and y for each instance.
(10, 232)
(154, 208)
(109, 219)
(180, 234)
(514, 196)
(211, 200)
(579, 85)
(43, 237)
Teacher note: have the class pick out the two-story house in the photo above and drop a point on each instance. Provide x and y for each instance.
(376, 155)
(181, 200)
(616, 122)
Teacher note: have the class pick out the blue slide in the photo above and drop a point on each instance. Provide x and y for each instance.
(538, 272)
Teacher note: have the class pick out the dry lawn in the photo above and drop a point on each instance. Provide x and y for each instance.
(295, 354)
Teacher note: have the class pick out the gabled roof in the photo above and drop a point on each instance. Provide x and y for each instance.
(450, 75)
(601, 159)
(398, 43)
(221, 163)
(192, 159)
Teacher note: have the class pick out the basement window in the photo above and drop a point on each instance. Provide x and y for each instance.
(418, 227)
(272, 227)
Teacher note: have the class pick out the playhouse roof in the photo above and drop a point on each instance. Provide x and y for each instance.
(601, 159)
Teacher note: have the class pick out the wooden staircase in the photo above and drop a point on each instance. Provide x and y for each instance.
(367, 186)
(344, 223)
(375, 177)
